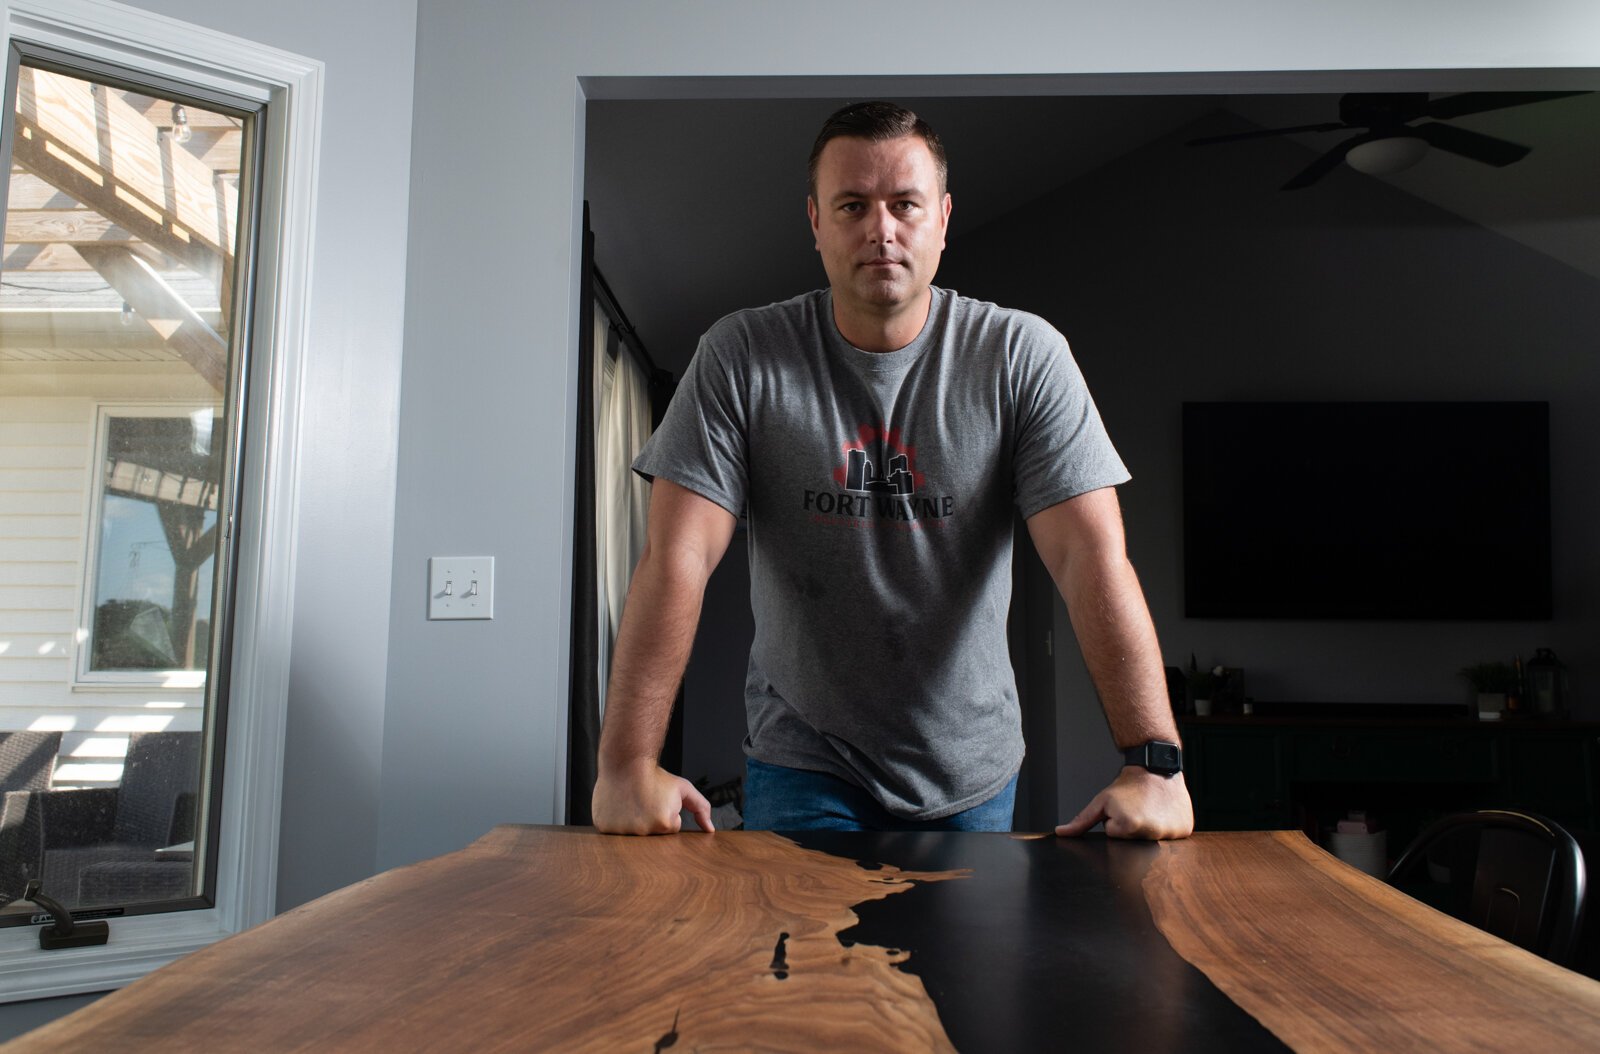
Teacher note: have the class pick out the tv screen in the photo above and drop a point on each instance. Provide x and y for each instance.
(1394, 510)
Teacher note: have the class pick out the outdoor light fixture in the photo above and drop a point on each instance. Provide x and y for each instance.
(180, 124)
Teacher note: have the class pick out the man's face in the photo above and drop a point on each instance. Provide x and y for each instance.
(879, 217)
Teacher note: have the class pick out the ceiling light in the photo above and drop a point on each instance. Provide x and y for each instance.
(1382, 157)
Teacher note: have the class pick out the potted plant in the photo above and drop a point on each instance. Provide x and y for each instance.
(1491, 681)
(1203, 685)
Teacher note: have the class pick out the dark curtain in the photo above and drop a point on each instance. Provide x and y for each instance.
(583, 719)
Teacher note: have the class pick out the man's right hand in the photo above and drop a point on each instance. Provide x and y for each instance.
(644, 798)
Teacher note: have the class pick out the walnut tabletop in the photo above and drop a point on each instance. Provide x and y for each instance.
(553, 938)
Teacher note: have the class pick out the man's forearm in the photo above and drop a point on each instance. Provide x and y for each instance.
(1113, 626)
(653, 644)
(1081, 542)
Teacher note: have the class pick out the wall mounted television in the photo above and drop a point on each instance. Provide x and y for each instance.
(1367, 510)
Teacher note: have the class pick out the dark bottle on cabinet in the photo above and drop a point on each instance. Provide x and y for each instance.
(1550, 694)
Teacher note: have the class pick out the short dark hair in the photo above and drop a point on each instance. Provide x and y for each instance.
(877, 122)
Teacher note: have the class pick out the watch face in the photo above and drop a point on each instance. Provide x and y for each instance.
(1165, 758)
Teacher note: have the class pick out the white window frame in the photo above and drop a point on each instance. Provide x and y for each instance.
(246, 871)
(83, 677)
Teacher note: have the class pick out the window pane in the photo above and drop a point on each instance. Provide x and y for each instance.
(117, 338)
(156, 546)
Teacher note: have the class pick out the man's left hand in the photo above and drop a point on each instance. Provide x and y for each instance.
(1138, 804)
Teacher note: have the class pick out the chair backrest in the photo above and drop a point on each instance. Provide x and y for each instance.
(27, 760)
(1527, 877)
(160, 769)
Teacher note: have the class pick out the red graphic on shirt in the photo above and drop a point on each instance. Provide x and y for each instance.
(890, 472)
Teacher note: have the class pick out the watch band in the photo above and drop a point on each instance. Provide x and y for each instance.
(1157, 755)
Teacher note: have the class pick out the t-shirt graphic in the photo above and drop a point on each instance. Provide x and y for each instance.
(877, 484)
(862, 474)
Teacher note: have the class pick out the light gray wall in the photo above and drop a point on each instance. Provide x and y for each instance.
(1183, 274)
(474, 726)
(351, 405)
(348, 435)
(347, 459)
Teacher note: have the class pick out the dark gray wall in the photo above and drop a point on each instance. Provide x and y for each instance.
(18, 1019)
(1183, 274)
(713, 685)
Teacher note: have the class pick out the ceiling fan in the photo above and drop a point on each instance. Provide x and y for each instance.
(1387, 141)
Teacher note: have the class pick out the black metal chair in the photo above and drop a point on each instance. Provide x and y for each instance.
(1516, 875)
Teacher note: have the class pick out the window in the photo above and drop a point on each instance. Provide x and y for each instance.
(152, 534)
(126, 224)
(153, 295)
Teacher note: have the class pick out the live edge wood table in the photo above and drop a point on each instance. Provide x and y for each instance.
(551, 938)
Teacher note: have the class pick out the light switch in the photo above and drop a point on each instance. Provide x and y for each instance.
(460, 587)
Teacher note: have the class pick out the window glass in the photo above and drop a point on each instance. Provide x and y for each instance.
(154, 551)
(119, 340)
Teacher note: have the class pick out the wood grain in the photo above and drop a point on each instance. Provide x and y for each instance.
(547, 938)
(50, 226)
(1331, 959)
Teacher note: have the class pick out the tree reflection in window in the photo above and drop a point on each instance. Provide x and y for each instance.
(157, 543)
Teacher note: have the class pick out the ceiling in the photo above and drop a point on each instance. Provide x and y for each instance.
(698, 206)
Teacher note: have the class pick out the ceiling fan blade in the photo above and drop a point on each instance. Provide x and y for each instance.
(1484, 101)
(1325, 164)
(1332, 126)
(1473, 145)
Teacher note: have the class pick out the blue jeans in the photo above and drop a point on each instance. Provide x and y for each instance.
(777, 798)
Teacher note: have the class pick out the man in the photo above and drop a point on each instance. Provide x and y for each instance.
(879, 434)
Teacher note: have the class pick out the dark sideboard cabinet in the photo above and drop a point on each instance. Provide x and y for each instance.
(1266, 773)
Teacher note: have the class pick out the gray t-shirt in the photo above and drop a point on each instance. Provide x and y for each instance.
(880, 490)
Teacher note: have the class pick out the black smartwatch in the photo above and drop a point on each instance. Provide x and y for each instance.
(1159, 756)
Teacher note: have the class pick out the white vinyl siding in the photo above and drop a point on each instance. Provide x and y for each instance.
(46, 448)
(44, 451)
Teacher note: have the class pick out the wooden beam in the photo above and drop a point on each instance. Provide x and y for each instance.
(222, 153)
(41, 258)
(88, 142)
(62, 226)
(178, 324)
(130, 479)
(28, 191)
(60, 256)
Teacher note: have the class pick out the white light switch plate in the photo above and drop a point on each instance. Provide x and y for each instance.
(460, 587)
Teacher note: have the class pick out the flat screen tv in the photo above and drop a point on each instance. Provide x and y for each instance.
(1381, 510)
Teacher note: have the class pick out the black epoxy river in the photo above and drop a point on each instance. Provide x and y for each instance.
(1047, 945)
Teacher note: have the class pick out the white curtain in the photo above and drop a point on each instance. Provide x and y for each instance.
(622, 499)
